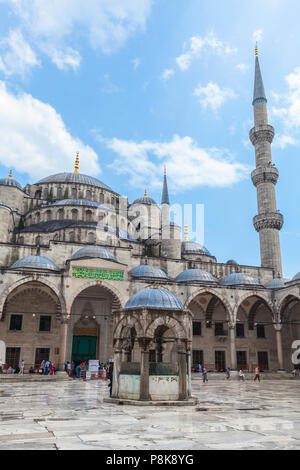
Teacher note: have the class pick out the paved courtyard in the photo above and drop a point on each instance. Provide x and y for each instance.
(72, 415)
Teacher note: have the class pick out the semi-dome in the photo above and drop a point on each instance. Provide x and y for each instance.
(232, 262)
(296, 277)
(148, 271)
(195, 275)
(74, 178)
(239, 279)
(277, 283)
(35, 262)
(154, 298)
(193, 248)
(94, 251)
(10, 182)
(77, 202)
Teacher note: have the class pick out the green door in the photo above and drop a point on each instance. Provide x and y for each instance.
(84, 348)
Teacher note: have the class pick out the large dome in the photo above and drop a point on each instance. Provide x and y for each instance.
(193, 248)
(195, 275)
(93, 251)
(154, 298)
(75, 178)
(148, 271)
(35, 262)
(240, 279)
(145, 200)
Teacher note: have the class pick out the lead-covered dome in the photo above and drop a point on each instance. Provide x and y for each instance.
(154, 298)
(193, 248)
(232, 262)
(296, 277)
(77, 202)
(147, 270)
(35, 262)
(240, 279)
(74, 178)
(10, 182)
(145, 200)
(277, 283)
(92, 251)
(195, 275)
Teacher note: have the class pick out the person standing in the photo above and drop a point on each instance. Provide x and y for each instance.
(241, 375)
(228, 373)
(1, 371)
(47, 364)
(22, 367)
(204, 375)
(68, 368)
(110, 377)
(257, 374)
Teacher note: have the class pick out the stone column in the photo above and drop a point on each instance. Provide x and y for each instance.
(63, 341)
(189, 369)
(279, 346)
(182, 359)
(232, 346)
(144, 386)
(116, 372)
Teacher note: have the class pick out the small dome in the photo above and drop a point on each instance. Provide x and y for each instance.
(76, 202)
(154, 298)
(232, 262)
(35, 262)
(148, 271)
(237, 279)
(296, 277)
(10, 182)
(194, 248)
(92, 251)
(277, 283)
(195, 275)
(74, 178)
(145, 200)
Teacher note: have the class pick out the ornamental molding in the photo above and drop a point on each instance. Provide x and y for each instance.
(268, 174)
(262, 134)
(273, 220)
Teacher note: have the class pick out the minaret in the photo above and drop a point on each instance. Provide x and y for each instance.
(269, 221)
(170, 232)
(76, 170)
(165, 203)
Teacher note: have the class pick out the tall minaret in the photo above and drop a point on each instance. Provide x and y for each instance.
(269, 221)
(165, 203)
(170, 232)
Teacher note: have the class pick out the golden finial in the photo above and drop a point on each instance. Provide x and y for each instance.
(145, 195)
(9, 176)
(186, 232)
(165, 170)
(77, 163)
(256, 50)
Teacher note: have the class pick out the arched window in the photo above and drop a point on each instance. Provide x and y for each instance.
(60, 214)
(74, 193)
(45, 193)
(101, 198)
(88, 216)
(21, 240)
(38, 194)
(48, 216)
(91, 237)
(72, 236)
(37, 217)
(59, 193)
(29, 221)
(38, 241)
(88, 194)
(109, 240)
(74, 214)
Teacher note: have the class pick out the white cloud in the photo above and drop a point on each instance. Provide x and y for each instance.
(258, 35)
(109, 87)
(17, 56)
(188, 165)
(136, 63)
(281, 141)
(212, 96)
(200, 44)
(167, 74)
(54, 27)
(34, 138)
(242, 67)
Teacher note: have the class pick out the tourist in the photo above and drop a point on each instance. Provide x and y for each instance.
(77, 371)
(68, 368)
(10, 370)
(22, 367)
(241, 375)
(17, 370)
(200, 367)
(52, 368)
(257, 374)
(228, 373)
(110, 377)
(47, 365)
(42, 368)
(204, 375)
(31, 370)
(1, 371)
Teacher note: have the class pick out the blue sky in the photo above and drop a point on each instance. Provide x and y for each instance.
(136, 84)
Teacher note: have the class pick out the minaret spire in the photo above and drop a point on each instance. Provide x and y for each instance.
(76, 171)
(269, 220)
(165, 193)
(10, 175)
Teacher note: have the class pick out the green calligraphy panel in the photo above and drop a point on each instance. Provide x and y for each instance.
(101, 274)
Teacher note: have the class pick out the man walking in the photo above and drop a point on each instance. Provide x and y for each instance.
(257, 374)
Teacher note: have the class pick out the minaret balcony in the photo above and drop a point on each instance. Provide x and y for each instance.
(265, 174)
(262, 134)
(272, 220)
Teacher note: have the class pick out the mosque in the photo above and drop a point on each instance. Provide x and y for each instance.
(73, 252)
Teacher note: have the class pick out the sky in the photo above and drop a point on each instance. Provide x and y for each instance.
(134, 85)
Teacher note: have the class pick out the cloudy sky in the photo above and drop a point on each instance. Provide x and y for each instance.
(134, 85)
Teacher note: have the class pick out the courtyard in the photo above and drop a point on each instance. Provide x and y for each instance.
(70, 414)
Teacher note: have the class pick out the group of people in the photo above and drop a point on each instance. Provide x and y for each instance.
(46, 367)
(199, 368)
(78, 369)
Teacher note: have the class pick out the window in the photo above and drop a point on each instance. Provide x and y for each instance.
(59, 193)
(152, 355)
(74, 214)
(219, 329)
(60, 214)
(263, 361)
(101, 198)
(240, 330)
(48, 216)
(88, 216)
(241, 359)
(74, 193)
(91, 237)
(197, 357)
(16, 322)
(72, 237)
(41, 354)
(197, 328)
(260, 331)
(88, 194)
(12, 357)
(45, 323)
(220, 361)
